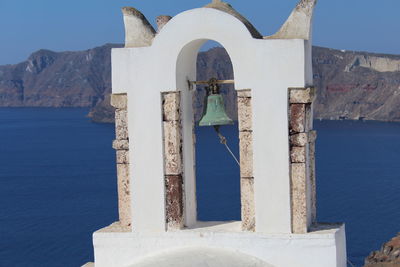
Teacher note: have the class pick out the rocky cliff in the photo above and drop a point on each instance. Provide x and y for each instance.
(387, 256)
(50, 79)
(350, 85)
(356, 85)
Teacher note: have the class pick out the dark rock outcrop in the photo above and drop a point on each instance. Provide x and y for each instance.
(103, 112)
(387, 256)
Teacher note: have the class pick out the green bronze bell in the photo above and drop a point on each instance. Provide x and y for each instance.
(215, 110)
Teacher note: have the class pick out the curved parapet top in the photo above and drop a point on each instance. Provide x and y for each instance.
(162, 20)
(138, 31)
(225, 7)
(298, 25)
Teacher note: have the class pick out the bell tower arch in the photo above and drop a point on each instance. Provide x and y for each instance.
(186, 63)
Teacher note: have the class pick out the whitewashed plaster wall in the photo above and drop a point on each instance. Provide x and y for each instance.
(267, 67)
(323, 247)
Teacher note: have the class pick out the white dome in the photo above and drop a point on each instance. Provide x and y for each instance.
(200, 257)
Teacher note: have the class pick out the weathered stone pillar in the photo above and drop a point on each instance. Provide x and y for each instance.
(302, 160)
(173, 160)
(312, 139)
(246, 159)
(121, 145)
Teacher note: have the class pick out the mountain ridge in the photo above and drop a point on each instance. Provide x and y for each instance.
(350, 84)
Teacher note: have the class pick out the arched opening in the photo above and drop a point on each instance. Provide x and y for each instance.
(215, 188)
(217, 173)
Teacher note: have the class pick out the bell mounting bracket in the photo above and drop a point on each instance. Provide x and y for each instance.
(212, 81)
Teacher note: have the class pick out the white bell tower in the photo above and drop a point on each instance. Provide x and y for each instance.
(152, 92)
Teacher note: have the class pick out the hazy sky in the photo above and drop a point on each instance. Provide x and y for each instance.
(29, 25)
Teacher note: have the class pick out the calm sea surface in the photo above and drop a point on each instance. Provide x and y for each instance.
(58, 183)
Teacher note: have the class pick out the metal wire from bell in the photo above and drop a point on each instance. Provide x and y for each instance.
(223, 141)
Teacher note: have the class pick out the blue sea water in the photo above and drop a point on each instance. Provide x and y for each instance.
(58, 183)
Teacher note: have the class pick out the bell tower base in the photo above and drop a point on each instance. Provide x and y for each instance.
(324, 245)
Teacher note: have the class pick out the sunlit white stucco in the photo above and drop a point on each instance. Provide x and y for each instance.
(323, 247)
(267, 67)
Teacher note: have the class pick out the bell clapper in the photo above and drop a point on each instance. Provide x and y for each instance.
(223, 141)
